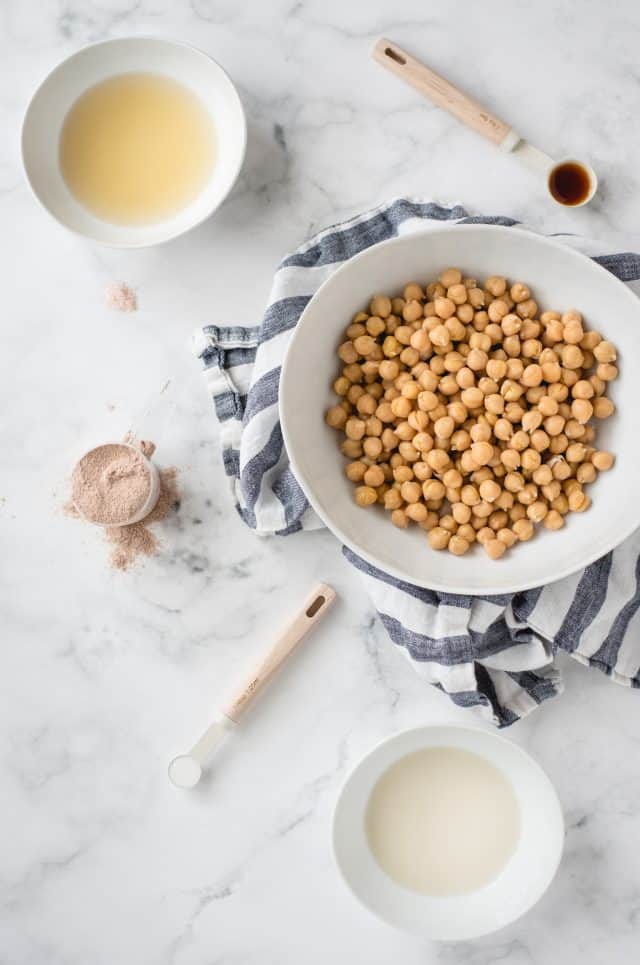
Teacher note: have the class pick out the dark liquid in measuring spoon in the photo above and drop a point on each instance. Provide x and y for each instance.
(570, 183)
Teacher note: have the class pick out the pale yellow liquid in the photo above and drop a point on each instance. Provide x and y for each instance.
(443, 821)
(137, 148)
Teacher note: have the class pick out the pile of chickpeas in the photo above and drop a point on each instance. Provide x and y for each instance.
(467, 411)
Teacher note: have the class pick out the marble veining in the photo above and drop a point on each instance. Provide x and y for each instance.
(107, 676)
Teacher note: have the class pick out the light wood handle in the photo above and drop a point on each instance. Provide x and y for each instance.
(441, 93)
(312, 610)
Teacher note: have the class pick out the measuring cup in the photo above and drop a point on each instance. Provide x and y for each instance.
(154, 487)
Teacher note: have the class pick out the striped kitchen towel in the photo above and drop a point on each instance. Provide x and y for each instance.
(492, 653)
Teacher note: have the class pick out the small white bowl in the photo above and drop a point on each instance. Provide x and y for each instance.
(520, 884)
(60, 89)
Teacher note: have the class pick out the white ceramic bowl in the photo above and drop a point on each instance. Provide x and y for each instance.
(561, 279)
(91, 65)
(522, 881)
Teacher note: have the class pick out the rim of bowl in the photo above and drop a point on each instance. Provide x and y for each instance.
(491, 735)
(242, 135)
(435, 584)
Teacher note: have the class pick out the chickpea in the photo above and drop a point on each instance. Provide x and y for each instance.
(465, 377)
(380, 305)
(606, 371)
(444, 307)
(374, 476)
(602, 460)
(582, 410)
(389, 369)
(364, 344)
(392, 499)
(553, 520)
(482, 453)
(351, 449)
(511, 391)
(537, 511)
(519, 440)
(523, 528)
(560, 504)
(336, 417)
(497, 310)
(391, 346)
(527, 309)
(365, 495)
(452, 276)
(503, 429)
(578, 500)
(573, 333)
(458, 545)
(532, 375)
(513, 482)
(603, 407)
(531, 460)
(576, 452)
(572, 357)
(399, 518)
(477, 360)
(554, 424)
(417, 512)
(408, 451)
(496, 285)
(444, 427)
(605, 352)
(489, 490)
(551, 371)
(433, 489)
(457, 293)
(438, 460)
(510, 459)
(519, 292)
(472, 397)
(438, 538)
(495, 548)
(430, 522)
(586, 473)
(458, 412)
(372, 447)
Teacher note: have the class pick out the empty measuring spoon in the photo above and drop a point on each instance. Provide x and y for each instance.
(186, 770)
(568, 182)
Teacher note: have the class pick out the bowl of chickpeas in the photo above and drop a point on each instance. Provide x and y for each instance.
(455, 408)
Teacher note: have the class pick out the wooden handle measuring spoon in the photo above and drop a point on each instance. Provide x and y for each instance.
(443, 94)
(186, 770)
(471, 113)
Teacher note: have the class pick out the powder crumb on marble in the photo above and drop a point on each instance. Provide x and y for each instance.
(121, 297)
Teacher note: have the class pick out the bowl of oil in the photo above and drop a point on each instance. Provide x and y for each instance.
(132, 142)
(448, 832)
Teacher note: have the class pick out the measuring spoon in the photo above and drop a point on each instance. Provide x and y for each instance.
(568, 182)
(186, 770)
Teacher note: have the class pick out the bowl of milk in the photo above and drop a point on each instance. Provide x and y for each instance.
(131, 142)
(448, 832)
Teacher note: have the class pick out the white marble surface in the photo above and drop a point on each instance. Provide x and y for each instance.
(105, 676)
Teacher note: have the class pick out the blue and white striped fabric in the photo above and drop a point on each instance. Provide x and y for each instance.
(491, 653)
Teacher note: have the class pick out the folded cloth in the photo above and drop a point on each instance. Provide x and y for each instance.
(492, 653)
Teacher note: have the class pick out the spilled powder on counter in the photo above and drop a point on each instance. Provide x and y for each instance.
(128, 543)
(110, 484)
(121, 297)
